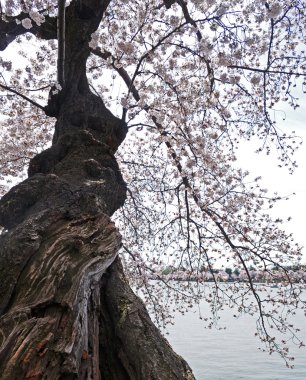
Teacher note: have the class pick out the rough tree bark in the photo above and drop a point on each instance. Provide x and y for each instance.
(66, 308)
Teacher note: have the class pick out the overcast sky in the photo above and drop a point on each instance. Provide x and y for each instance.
(279, 179)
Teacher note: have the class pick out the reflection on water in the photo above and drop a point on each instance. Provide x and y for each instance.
(233, 353)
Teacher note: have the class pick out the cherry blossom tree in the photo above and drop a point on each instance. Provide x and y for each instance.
(147, 102)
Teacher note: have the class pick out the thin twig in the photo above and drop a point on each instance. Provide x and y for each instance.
(22, 96)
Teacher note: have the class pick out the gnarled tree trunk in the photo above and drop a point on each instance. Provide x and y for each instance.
(66, 308)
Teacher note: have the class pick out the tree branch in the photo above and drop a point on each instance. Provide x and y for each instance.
(23, 96)
(61, 43)
(121, 71)
(256, 69)
(188, 18)
(9, 29)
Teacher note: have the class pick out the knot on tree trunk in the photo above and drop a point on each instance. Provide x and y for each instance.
(77, 111)
(78, 174)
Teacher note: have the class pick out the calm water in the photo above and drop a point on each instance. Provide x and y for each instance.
(233, 353)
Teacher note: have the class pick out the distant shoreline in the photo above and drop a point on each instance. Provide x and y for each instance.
(273, 283)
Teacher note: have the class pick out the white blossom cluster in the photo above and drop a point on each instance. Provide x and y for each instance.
(193, 87)
(27, 23)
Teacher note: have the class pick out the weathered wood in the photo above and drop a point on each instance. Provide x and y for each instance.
(66, 309)
(62, 318)
(44, 326)
(141, 349)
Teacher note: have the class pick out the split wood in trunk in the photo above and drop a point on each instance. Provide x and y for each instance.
(66, 308)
